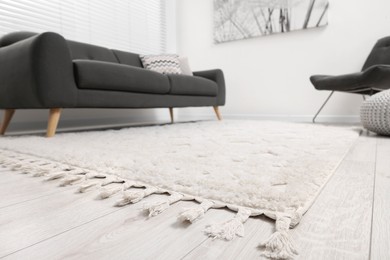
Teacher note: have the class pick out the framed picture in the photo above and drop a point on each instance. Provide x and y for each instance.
(242, 19)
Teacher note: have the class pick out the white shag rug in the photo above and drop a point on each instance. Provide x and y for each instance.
(252, 167)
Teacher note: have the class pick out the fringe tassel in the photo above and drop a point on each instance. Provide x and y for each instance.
(64, 173)
(41, 172)
(43, 168)
(56, 176)
(74, 175)
(112, 179)
(157, 207)
(135, 196)
(279, 245)
(86, 186)
(27, 169)
(94, 175)
(71, 179)
(21, 165)
(16, 162)
(195, 213)
(105, 193)
(231, 228)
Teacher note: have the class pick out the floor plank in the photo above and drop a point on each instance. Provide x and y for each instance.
(18, 188)
(256, 230)
(33, 221)
(364, 149)
(127, 234)
(380, 248)
(338, 224)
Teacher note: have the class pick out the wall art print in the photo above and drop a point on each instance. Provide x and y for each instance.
(242, 19)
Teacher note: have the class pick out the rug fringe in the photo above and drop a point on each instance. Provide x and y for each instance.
(279, 245)
(22, 167)
(231, 228)
(87, 186)
(41, 172)
(69, 180)
(56, 176)
(64, 172)
(195, 213)
(94, 175)
(108, 179)
(131, 197)
(155, 208)
(107, 192)
(25, 167)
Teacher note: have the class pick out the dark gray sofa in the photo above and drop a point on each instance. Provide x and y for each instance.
(46, 71)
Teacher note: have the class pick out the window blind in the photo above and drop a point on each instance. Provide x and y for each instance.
(134, 25)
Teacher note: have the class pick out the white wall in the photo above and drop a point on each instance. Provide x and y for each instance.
(269, 76)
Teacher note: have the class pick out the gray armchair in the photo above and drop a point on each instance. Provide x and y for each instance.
(374, 77)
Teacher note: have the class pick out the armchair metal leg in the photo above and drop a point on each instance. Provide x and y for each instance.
(319, 110)
(8, 114)
(54, 117)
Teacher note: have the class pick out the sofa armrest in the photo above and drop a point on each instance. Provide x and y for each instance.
(37, 72)
(217, 76)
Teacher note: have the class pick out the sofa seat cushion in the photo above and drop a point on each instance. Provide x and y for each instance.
(192, 86)
(100, 75)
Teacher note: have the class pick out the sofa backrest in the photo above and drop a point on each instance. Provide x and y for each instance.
(11, 38)
(82, 51)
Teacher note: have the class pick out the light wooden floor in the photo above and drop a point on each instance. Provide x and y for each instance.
(349, 220)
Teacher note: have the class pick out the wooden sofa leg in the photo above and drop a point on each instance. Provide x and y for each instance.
(218, 113)
(54, 117)
(171, 114)
(8, 114)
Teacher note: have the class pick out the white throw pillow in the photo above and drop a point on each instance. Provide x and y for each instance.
(165, 63)
(185, 66)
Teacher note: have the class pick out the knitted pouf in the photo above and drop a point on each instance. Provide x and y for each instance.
(375, 113)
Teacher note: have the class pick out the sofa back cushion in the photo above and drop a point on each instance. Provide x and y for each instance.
(128, 58)
(84, 51)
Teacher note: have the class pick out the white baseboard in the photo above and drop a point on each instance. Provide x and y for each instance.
(299, 118)
(288, 118)
(117, 122)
